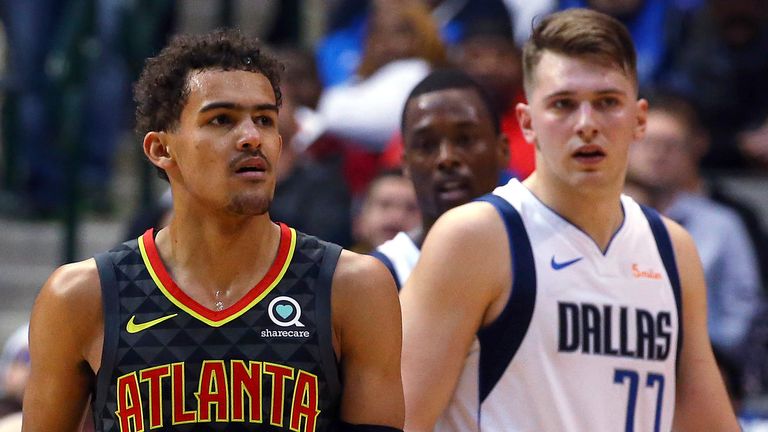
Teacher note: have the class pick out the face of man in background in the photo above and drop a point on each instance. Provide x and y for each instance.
(390, 207)
(664, 158)
(452, 152)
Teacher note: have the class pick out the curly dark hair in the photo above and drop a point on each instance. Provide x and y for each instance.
(162, 88)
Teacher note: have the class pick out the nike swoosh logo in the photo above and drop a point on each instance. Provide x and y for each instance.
(561, 265)
(132, 327)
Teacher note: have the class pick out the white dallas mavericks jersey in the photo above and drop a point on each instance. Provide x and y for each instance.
(400, 255)
(588, 340)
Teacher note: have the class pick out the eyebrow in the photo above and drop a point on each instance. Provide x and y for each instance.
(239, 107)
(608, 91)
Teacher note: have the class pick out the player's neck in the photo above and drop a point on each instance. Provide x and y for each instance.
(598, 214)
(214, 259)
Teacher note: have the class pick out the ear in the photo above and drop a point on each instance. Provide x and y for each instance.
(523, 113)
(642, 119)
(156, 148)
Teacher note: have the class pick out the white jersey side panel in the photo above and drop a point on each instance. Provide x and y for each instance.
(402, 253)
(599, 349)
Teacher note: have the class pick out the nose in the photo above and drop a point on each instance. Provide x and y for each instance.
(586, 127)
(248, 135)
(447, 157)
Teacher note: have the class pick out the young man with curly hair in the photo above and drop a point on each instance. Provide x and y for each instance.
(224, 320)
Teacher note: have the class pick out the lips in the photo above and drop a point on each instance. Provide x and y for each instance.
(456, 191)
(589, 154)
(251, 167)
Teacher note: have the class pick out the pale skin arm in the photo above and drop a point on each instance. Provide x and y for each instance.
(65, 332)
(459, 285)
(702, 402)
(367, 339)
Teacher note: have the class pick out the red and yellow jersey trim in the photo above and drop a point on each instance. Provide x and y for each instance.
(168, 287)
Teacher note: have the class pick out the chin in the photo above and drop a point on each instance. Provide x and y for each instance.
(249, 206)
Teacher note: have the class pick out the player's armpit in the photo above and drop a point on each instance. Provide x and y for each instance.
(367, 325)
(454, 290)
(701, 400)
(66, 321)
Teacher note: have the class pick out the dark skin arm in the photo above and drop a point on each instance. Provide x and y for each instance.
(65, 336)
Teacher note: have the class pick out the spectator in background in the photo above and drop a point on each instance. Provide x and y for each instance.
(524, 12)
(753, 143)
(654, 25)
(455, 152)
(339, 53)
(157, 215)
(663, 173)
(401, 46)
(312, 137)
(37, 184)
(388, 208)
(310, 195)
(723, 65)
(488, 53)
(14, 371)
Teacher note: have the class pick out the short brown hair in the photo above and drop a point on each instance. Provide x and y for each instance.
(162, 89)
(580, 33)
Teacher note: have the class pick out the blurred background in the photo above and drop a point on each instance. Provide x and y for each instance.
(73, 179)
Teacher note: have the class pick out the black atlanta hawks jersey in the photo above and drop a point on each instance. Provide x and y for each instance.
(264, 364)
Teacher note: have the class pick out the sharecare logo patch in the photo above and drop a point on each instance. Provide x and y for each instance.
(285, 312)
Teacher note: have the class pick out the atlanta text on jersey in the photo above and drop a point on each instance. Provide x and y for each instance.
(228, 391)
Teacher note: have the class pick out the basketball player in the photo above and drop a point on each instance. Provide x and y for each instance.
(224, 320)
(454, 151)
(558, 304)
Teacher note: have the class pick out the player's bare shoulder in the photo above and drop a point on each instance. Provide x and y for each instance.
(361, 275)
(480, 245)
(364, 299)
(73, 286)
(71, 299)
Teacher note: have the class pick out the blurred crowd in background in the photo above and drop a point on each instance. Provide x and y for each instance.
(349, 66)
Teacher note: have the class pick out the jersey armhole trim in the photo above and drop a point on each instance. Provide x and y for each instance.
(111, 310)
(667, 254)
(325, 320)
(500, 340)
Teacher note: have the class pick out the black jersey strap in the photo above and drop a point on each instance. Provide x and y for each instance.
(324, 322)
(349, 427)
(111, 310)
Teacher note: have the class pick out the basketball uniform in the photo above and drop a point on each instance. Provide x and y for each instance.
(265, 363)
(400, 255)
(588, 341)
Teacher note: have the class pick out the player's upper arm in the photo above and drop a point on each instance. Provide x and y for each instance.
(367, 326)
(455, 289)
(65, 330)
(701, 402)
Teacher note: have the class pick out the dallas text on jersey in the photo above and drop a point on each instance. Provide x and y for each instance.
(591, 329)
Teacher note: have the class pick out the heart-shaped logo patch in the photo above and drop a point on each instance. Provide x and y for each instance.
(284, 310)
